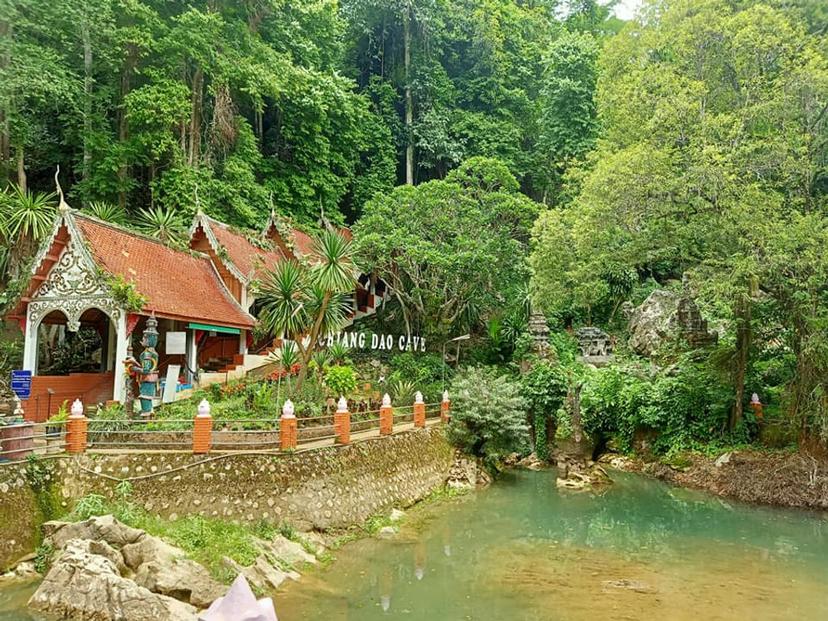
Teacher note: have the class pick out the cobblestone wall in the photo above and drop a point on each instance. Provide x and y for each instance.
(323, 488)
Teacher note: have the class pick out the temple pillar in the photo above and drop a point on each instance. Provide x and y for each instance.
(30, 345)
(192, 356)
(122, 342)
(243, 342)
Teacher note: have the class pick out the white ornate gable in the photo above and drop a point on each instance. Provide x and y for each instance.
(72, 286)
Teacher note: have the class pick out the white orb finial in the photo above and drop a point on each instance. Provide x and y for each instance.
(446, 396)
(418, 398)
(288, 409)
(342, 406)
(204, 408)
(755, 398)
(386, 400)
(77, 408)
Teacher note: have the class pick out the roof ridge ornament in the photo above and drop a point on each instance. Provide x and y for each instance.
(199, 211)
(63, 207)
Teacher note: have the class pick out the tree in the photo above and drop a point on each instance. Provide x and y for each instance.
(713, 157)
(488, 415)
(451, 251)
(305, 302)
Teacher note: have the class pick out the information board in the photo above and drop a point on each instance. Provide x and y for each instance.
(21, 383)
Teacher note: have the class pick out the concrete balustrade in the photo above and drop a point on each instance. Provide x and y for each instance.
(386, 416)
(202, 429)
(342, 422)
(77, 428)
(419, 410)
(288, 427)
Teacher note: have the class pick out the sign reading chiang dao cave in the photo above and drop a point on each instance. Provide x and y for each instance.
(371, 340)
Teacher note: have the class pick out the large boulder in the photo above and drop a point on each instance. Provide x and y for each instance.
(98, 528)
(162, 568)
(87, 586)
(653, 323)
(143, 559)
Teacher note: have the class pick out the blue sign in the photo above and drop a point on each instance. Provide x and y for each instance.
(21, 383)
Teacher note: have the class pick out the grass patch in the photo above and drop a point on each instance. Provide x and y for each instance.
(205, 540)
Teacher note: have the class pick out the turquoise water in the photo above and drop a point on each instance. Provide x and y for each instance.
(524, 551)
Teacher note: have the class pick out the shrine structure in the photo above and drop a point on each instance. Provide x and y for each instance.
(89, 273)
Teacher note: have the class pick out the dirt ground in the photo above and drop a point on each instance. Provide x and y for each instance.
(785, 479)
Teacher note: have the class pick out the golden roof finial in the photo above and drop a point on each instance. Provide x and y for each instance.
(62, 206)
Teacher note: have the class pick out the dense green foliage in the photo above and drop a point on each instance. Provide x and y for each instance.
(453, 251)
(544, 386)
(540, 140)
(712, 162)
(488, 414)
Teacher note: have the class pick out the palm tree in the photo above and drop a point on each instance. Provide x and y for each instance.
(163, 224)
(108, 212)
(304, 303)
(28, 219)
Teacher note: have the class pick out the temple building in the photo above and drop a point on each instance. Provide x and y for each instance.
(89, 275)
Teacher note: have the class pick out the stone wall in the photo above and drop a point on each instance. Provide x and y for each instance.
(323, 488)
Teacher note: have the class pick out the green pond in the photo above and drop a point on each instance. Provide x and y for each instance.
(523, 550)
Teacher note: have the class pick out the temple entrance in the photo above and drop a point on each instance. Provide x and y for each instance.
(88, 349)
(74, 360)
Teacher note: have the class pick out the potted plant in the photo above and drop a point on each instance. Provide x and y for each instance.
(55, 426)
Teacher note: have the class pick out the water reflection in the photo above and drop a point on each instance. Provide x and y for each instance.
(524, 550)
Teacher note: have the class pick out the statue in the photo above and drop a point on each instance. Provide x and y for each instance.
(540, 334)
(131, 368)
(148, 367)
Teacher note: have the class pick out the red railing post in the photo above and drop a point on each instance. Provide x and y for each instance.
(202, 429)
(288, 427)
(445, 408)
(342, 422)
(419, 410)
(386, 416)
(77, 427)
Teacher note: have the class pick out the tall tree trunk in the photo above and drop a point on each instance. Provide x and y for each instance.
(409, 102)
(123, 123)
(195, 119)
(5, 139)
(87, 95)
(314, 336)
(743, 340)
(21, 169)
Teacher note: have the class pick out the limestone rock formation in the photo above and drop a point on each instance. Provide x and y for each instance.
(116, 564)
(663, 316)
(467, 473)
(85, 585)
(650, 323)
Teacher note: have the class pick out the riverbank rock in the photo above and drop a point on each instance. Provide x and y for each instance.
(578, 477)
(467, 473)
(85, 585)
(531, 462)
(147, 561)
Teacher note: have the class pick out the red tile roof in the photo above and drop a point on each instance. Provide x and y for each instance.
(249, 259)
(302, 242)
(177, 284)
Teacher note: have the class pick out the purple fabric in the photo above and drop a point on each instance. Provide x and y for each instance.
(239, 604)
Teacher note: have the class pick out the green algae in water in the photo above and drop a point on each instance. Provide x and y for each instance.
(526, 551)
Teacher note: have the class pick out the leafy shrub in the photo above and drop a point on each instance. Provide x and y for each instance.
(488, 415)
(402, 392)
(544, 388)
(425, 371)
(340, 380)
(686, 405)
